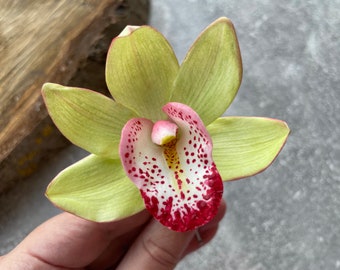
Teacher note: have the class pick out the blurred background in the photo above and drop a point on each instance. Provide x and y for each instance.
(288, 216)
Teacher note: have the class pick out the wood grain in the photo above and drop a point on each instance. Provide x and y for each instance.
(57, 41)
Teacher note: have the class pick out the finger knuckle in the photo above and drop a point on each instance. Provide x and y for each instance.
(163, 256)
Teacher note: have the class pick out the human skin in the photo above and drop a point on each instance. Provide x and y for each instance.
(69, 242)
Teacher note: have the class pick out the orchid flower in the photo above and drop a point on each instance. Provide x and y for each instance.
(160, 143)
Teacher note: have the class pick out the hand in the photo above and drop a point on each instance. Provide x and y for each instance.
(69, 242)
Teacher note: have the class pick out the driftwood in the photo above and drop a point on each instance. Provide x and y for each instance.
(57, 41)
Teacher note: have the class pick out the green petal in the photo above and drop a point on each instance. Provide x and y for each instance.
(211, 73)
(140, 70)
(88, 119)
(96, 189)
(244, 146)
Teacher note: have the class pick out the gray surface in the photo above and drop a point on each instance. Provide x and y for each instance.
(287, 217)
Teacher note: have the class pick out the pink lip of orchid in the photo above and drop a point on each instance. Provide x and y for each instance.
(178, 180)
(152, 145)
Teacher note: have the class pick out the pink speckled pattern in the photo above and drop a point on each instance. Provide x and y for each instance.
(178, 181)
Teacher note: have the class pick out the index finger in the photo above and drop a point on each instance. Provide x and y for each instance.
(69, 241)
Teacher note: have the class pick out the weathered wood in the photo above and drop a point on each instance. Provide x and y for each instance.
(57, 41)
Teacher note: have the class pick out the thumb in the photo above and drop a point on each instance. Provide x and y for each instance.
(157, 248)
